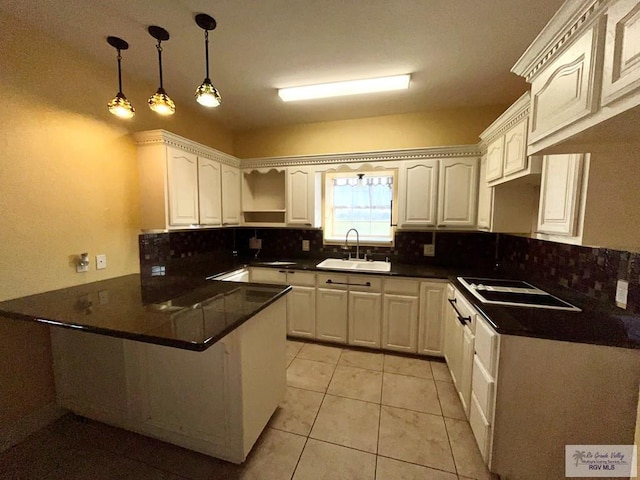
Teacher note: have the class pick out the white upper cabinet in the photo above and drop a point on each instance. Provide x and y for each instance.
(584, 71)
(505, 142)
(458, 192)
(209, 192)
(560, 194)
(182, 178)
(485, 198)
(302, 203)
(180, 181)
(622, 51)
(417, 193)
(231, 205)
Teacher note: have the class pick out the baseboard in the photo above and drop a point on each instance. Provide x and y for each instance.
(11, 435)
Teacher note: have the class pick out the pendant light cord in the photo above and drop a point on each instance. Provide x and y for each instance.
(119, 73)
(159, 47)
(206, 51)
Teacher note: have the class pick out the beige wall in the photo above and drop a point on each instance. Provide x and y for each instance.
(412, 130)
(68, 184)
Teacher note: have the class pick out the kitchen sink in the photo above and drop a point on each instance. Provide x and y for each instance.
(354, 265)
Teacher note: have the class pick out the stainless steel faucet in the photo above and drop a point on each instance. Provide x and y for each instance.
(346, 242)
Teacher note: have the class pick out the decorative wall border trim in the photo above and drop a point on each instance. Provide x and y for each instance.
(512, 116)
(153, 137)
(564, 26)
(455, 151)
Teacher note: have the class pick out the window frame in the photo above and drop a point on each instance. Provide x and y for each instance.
(327, 218)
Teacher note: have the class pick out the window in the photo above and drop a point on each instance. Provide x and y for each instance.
(360, 201)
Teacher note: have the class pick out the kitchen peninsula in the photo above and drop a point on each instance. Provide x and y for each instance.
(194, 362)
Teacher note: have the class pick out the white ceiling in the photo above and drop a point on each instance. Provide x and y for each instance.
(458, 51)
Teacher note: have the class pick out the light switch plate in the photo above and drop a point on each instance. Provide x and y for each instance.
(305, 245)
(428, 250)
(622, 290)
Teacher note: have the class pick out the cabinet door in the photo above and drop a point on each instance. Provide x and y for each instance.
(300, 196)
(209, 193)
(495, 155)
(565, 91)
(431, 320)
(458, 192)
(485, 198)
(622, 51)
(230, 195)
(560, 194)
(466, 369)
(400, 323)
(182, 172)
(453, 345)
(301, 312)
(365, 319)
(331, 315)
(515, 149)
(417, 194)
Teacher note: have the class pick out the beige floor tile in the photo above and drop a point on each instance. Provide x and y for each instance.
(321, 460)
(347, 422)
(414, 393)
(356, 383)
(390, 469)
(416, 367)
(289, 360)
(320, 353)
(309, 374)
(356, 358)
(449, 400)
(293, 347)
(467, 457)
(274, 457)
(297, 412)
(415, 437)
(441, 372)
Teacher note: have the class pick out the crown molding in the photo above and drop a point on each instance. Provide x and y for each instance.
(163, 137)
(568, 22)
(373, 156)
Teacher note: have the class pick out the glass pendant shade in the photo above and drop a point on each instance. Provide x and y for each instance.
(207, 95)
(121, 107)
(161, 103)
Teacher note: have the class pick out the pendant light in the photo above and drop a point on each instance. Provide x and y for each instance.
(160, 102)
(206, 94)
(119, 105)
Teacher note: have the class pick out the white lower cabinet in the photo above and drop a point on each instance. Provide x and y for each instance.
(400, 323)
(301, 318)
(365, 319)
(430, 322)
(331, 315)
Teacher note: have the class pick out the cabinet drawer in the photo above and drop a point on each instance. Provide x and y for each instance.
(486, 345)
(267, 275)
(402, 286)
(336, 281)
(480, 428)
(358, 283)
(299, 278)
(483, 387)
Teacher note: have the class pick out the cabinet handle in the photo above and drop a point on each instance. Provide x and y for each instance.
(367, 284)
(461, 319)
(282, 271)
(308, 224)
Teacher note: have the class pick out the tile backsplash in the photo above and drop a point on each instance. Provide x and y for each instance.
(590, 271)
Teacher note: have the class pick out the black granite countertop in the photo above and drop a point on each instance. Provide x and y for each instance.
(184, 312)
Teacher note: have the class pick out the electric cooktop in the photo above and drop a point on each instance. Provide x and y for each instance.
(515, 293)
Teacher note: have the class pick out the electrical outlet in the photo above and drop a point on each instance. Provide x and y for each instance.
(428, 249)
(255, 243)
(103, 297)
(305, 245)
(622, 290)
(101, 261)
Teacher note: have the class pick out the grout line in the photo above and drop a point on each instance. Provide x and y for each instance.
(420, 465)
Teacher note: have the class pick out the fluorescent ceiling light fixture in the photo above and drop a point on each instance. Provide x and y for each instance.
(338, 89)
